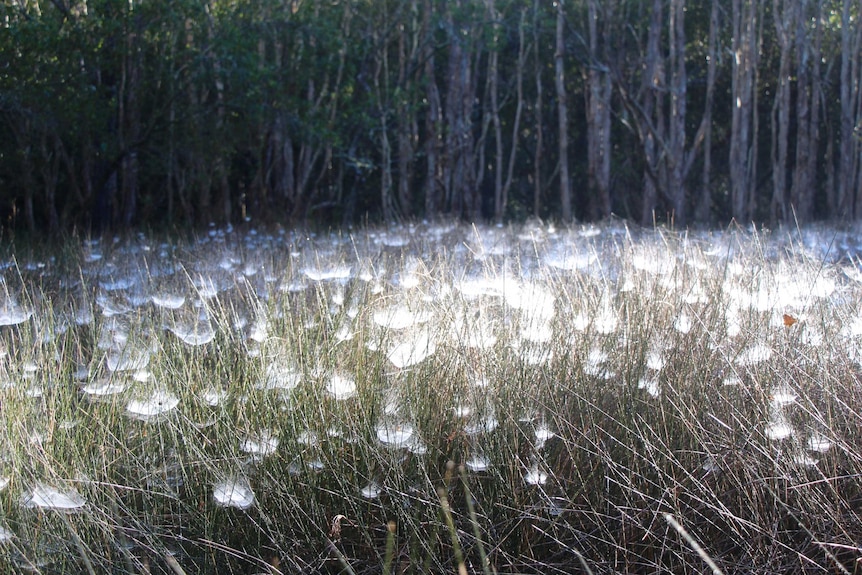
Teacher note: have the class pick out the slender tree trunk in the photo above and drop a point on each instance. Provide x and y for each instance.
(130, 127)
(470, 191)
(519, 107)
(87, 156)
(73, 179)
(220, 169)
(539, 151)
(29, 185)
(783, 14)
(275, 184)
(452, 199)
(652, 82)
(432, 119)
(406, 131)
(493, 86)
(390, 212)
(744, 45)
(22, 128)
(203, 170)
(846, 156)
(288, 160)
(848, 175)
(856, 80)
(801, 191)
(703, 210)
(562, 115)
(459, 173)
(184, 170)
(814, 117)
(678, 84)
(381, 95)
(330, 96)
(830, 179)
(478, 163)
(170, 175)
(760, 18)
(50, 169)
(117, 204)
(598, 100)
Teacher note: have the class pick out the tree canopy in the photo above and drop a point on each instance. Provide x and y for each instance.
(116, 113)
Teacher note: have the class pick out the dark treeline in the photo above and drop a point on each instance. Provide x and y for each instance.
(125, 112)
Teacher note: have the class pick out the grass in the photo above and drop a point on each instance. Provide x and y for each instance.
(432, 399)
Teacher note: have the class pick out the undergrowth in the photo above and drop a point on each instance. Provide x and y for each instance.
(431, 400)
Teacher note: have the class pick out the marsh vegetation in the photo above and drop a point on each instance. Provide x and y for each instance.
(432, 399)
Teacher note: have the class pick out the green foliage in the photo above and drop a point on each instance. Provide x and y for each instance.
(116, 113)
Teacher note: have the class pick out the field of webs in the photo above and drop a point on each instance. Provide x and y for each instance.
(433, 399)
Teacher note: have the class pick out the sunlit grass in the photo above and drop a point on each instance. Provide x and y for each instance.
(432, 399)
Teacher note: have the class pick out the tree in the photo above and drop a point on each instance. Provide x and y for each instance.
(563, 115)
(538, 119)
(598, 107)
(808, 95)
(703, 211)
(502, 187)
(784, 16)
(117, 113)
(433, 116)
(743, 137)
(849, 202)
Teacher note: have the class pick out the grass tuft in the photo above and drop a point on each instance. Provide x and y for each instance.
(432, 399)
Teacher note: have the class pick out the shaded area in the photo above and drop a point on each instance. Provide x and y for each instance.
(189, 112)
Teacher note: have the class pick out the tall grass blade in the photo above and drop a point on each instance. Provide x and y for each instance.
(716, 570)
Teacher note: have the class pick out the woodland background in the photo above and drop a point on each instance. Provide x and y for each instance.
(117, 113)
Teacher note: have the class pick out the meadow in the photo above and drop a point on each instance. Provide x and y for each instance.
(433, 399)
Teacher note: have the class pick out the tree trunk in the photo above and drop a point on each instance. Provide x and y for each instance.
(406, 130)
(21, 127)
(851, 42)
(220, 175)
(598, 100)
(844, 200)
(381, 95)
(451, 176)
(814, 117)
(744, 48)
(51, 156)
(678, 83)
(459, 174)
(784, 18)
(537, 156)
(433, 126)
(802, 187)
(130, 128)
(493, 87)
(390, 212)
(829, 166)
(652, 82)
(519, 107)
(310, 152)
(562, 115)
(330, 96)
(473, 155)
(307, 158)
(703, 211)
(755, 104)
